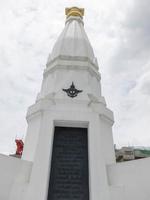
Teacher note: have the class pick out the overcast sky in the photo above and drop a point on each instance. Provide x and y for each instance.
(119, 32)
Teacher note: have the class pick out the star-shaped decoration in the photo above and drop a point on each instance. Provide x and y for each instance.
(72, 91)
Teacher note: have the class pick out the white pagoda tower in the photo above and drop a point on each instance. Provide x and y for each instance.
(68, 152)
(70, 97)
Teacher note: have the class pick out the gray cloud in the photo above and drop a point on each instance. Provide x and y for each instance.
(134, 46)
(130, 74)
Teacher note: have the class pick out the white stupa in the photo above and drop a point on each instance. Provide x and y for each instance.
(69, 150)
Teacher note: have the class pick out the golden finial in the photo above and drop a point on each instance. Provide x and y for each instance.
(74, 11)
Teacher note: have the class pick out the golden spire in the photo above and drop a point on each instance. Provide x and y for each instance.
(74, 11)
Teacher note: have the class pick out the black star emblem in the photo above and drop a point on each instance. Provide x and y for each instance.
(72, 91)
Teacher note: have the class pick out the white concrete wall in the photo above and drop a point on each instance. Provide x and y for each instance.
(13, 170)
(32, 137)
(84, 77)
(131, 180)
(74, 113)
(107, 140)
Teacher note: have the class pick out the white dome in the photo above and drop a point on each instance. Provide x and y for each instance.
(73, 41)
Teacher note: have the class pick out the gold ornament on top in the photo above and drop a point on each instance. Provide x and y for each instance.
(74, 11)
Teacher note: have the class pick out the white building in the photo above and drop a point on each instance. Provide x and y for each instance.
(73, 66)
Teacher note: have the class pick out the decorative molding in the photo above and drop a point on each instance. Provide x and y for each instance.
(74, 11)
(94, 99)
(108, 119)
(76, 67)
(61, 58)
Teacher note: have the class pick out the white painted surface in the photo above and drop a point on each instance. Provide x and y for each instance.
(32, 138)
(133, 177)
(62, 77)
(107, 140)
(14, 175)
(69, 113)
(73, 41)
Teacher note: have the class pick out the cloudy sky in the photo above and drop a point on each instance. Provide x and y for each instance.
(119, 32)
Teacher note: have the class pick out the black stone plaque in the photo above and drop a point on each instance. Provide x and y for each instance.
(69, 178)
